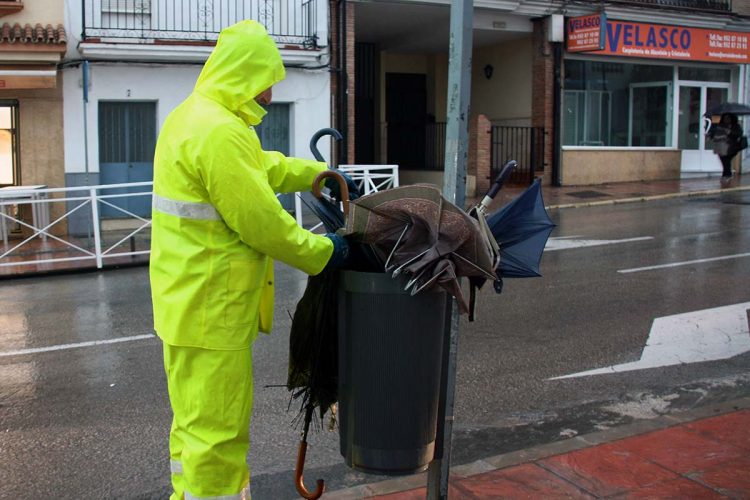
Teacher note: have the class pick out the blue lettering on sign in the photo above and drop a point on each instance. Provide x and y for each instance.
(685, 39)
(613, 36)
(631, 36)
(663, 37)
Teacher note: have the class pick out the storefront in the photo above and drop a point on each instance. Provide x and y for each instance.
(634, 97)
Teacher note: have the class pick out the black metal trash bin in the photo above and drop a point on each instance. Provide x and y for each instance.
(390, 352)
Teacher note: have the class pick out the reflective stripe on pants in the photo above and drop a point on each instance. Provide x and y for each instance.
(175, 466)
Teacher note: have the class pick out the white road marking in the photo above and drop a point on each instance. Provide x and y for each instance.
(568, 242)
(685, 263)
(61, 347)
(707, 335)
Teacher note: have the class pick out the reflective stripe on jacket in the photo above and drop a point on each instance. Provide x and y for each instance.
(216, 222)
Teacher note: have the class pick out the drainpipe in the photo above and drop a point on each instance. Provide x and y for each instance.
(557, 105)
(343, 85)
(85, 79)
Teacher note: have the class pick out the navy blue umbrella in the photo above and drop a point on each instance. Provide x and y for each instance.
(521, 229)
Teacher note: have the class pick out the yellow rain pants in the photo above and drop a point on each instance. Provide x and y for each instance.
(211, 393)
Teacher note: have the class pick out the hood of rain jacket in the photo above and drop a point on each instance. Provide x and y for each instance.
(217, 223)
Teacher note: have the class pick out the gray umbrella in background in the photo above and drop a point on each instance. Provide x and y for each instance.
(729, 107)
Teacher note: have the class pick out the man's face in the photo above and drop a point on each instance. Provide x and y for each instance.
(265, 97)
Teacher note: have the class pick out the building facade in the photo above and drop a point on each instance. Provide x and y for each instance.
(130, 62)
(32, 43)
(572, 114)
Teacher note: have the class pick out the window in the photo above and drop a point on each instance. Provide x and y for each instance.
(126, 6)
(616, 104)
(705, 74)
(10, 172)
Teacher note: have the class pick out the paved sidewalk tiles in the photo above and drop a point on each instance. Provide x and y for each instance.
(704, 458)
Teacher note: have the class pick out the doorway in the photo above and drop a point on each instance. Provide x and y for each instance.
(406, 115)
(697, 150)
(127, 138)
(10, 173)
(273, 134)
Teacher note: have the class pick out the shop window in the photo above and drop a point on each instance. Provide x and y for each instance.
(616, 104)
(9, 168)
(705, 74)
(587, 115)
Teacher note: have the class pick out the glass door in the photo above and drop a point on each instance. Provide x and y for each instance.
(697, 149)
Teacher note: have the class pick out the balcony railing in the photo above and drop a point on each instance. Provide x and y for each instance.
(712, 5)
(287, 21)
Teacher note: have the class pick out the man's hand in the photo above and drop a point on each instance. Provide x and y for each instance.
(340, 256)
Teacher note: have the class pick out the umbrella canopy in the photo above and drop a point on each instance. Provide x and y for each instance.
(729, 107)
(521, 229)
(420, 235)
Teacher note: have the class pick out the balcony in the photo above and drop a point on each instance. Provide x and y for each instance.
(289, 22)
(704, 5)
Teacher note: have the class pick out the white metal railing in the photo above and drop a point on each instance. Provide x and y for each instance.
(369, 178)
(75, 200)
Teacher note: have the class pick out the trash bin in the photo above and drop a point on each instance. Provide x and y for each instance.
(390, 352)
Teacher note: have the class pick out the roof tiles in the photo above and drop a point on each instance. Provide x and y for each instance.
(37, 34)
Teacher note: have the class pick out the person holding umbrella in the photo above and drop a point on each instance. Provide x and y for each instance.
(726, 136)
(216, 226)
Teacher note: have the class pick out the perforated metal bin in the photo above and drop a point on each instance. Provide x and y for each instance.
(390, 351)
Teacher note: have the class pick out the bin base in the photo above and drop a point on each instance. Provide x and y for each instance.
(390, 462)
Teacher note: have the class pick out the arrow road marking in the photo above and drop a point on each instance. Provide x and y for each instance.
(568, 242)
(685, 263)
(707, 335)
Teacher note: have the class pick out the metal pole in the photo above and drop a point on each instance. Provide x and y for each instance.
(85, 83)
(454, 189)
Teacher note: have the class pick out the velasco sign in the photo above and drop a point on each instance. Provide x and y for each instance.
(659, 41)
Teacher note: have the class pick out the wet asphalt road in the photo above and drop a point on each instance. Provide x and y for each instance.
(91, 422)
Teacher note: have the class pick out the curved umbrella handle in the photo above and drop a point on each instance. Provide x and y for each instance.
(342, 186)
(316, 137)
(304, 493)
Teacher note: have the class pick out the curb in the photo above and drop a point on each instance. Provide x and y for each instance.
(616, 201)
(543, 451)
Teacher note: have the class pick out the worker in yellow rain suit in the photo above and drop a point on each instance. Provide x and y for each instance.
(217, 225)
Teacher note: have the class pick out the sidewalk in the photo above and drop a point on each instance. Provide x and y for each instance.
(627, 192)
(701, 453)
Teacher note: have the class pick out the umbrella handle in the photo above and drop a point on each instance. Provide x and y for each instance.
(316, 137)
(298, 480)
(342, 186)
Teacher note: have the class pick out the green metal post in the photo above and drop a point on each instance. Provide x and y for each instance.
(454, 189)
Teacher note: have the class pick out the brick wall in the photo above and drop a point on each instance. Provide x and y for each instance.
(542, 98)
(350, 68)
(480, 138)
(336, 68)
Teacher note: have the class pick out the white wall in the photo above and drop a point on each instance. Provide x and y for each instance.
(42, 12)
(168, 85)
(506, 96)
